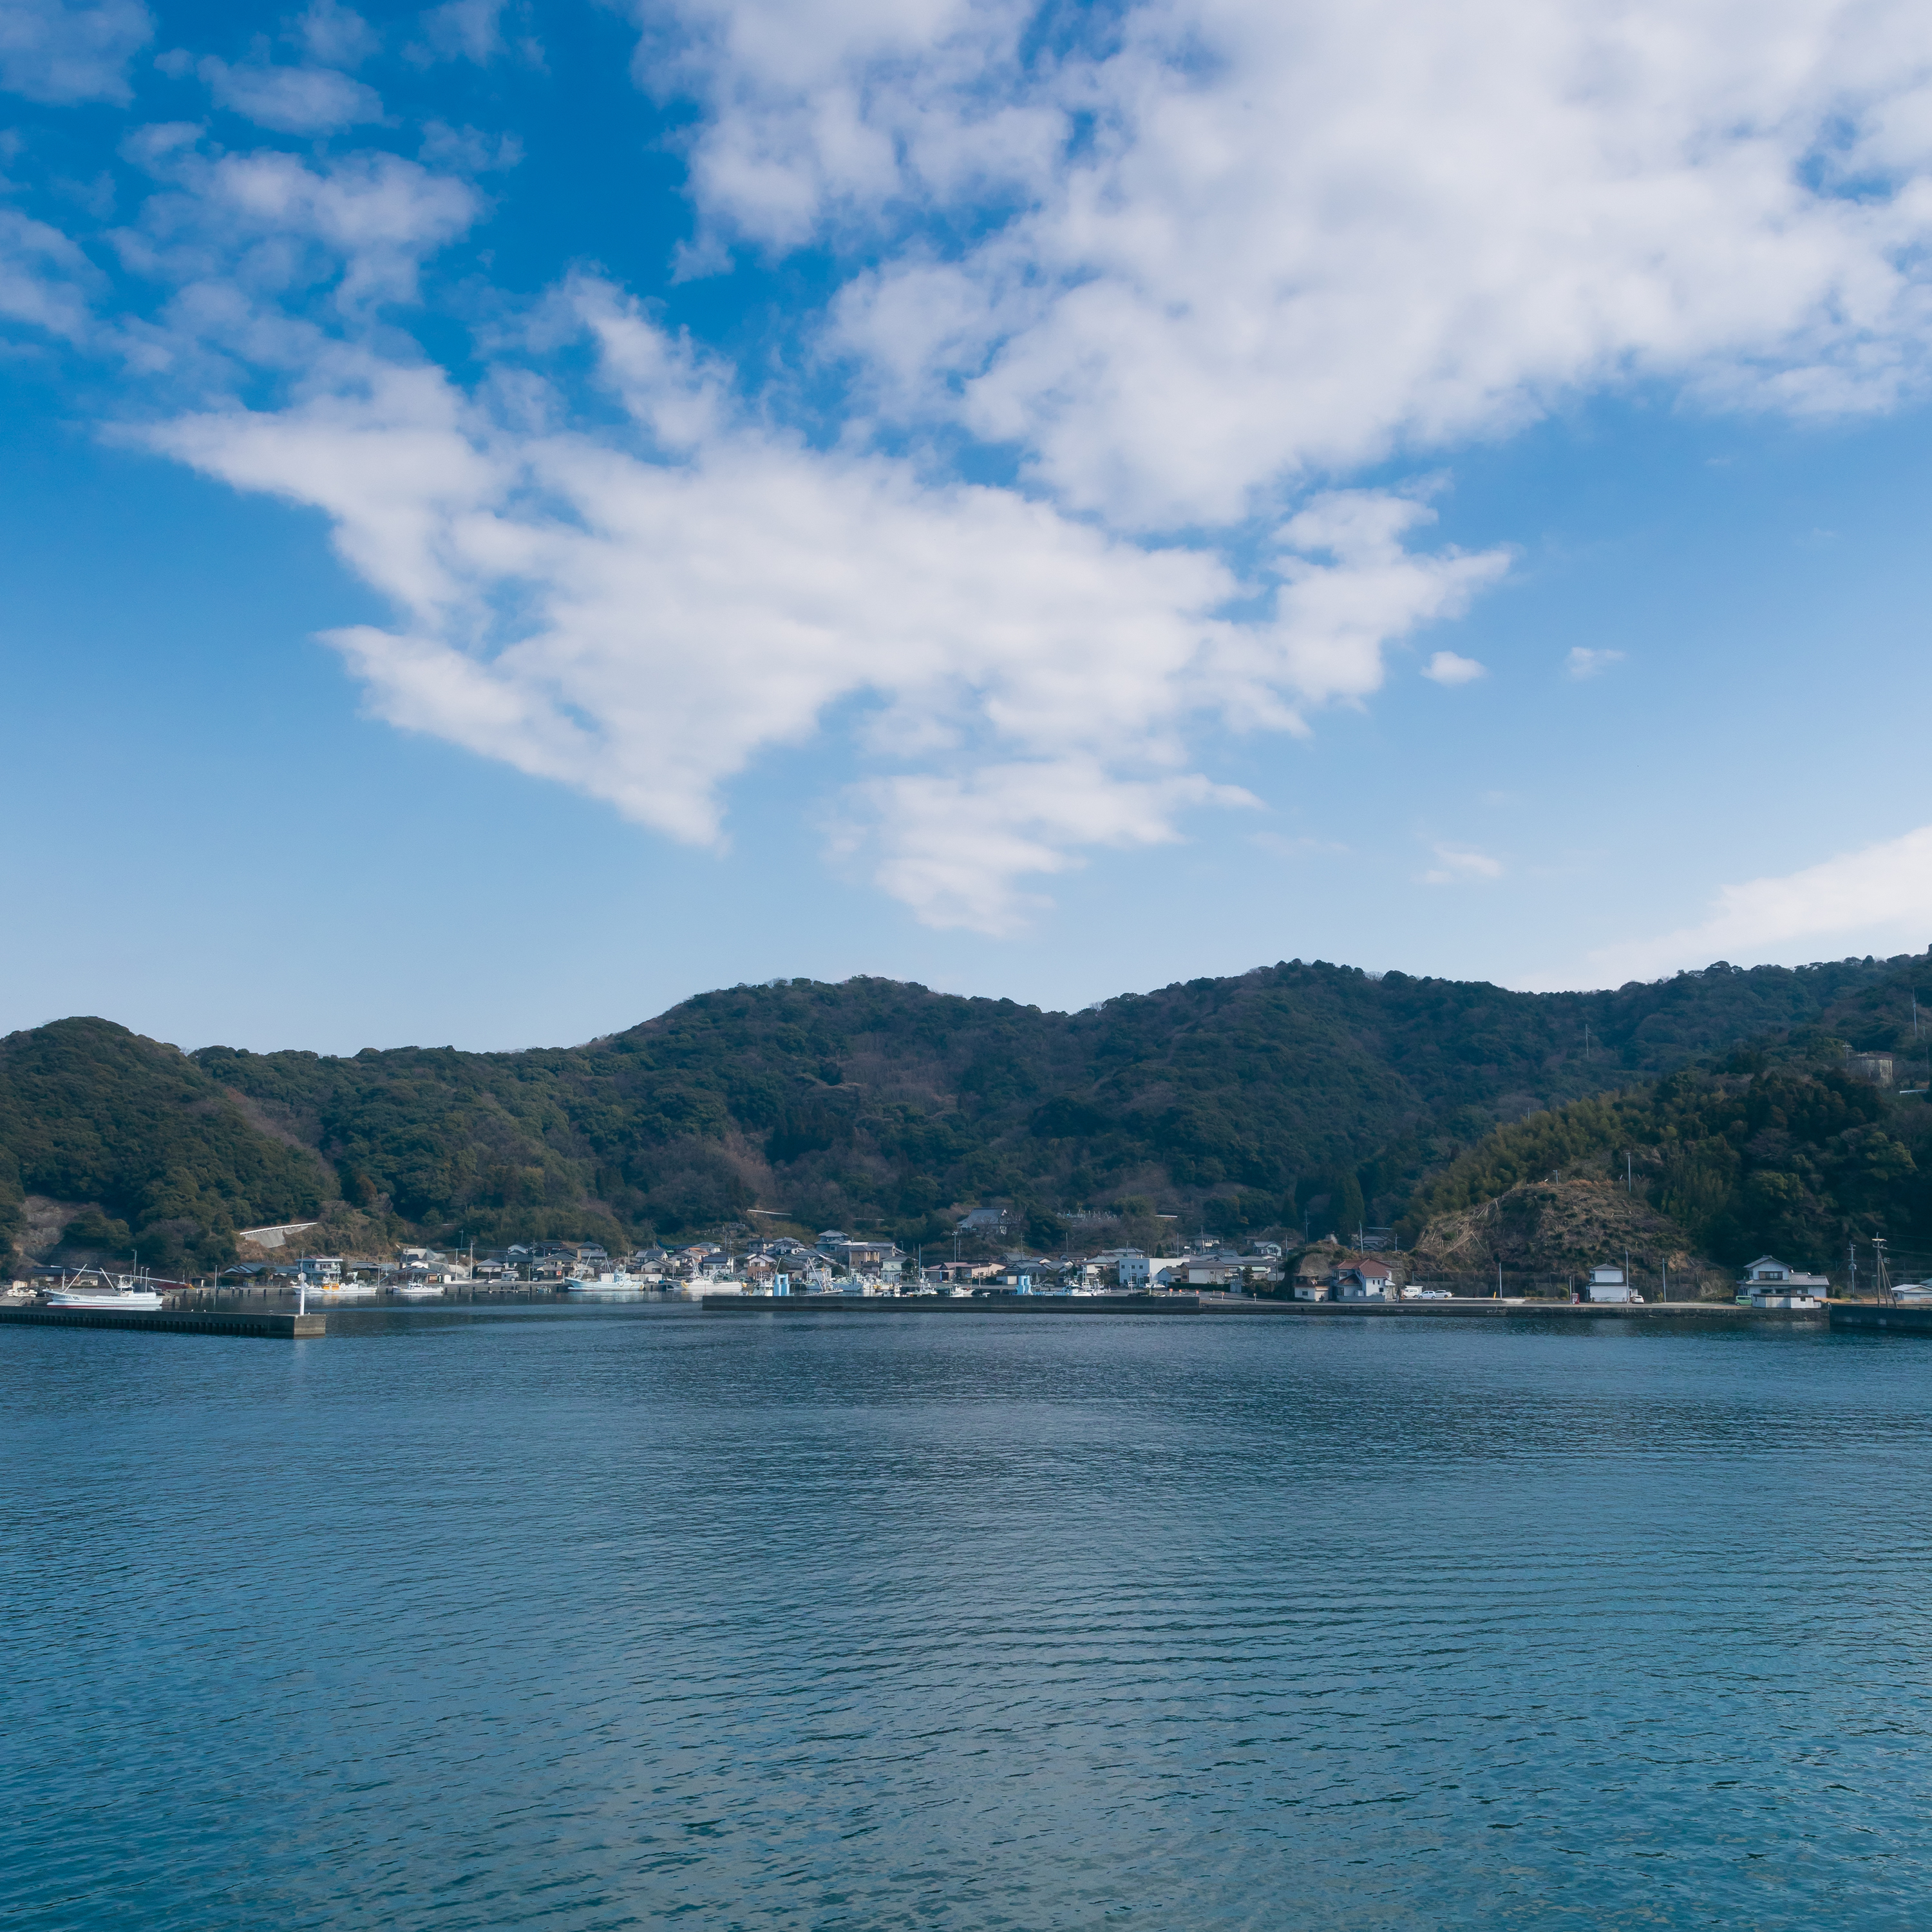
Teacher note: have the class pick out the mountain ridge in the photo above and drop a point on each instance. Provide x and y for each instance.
(1273, 1099)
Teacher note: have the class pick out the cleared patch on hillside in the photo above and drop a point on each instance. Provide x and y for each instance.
(1549, 1231)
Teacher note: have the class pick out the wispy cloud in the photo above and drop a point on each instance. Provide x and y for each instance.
(291, 100)
(1879, 894)
(1153, 271)
(1446, 667)
(1460, 865)
(1582, 662)
(1285, 846)
(60, 54)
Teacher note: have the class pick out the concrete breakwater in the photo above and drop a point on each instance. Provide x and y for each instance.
(1492, 1307)
(1210, 1304)
(267, 1323)
(1875, 1316)
(952, 1304)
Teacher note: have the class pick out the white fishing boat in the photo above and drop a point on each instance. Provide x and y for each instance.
(417, 1291)
(617, 1282)
(93, 1288)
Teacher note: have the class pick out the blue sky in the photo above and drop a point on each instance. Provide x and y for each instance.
(517, 514)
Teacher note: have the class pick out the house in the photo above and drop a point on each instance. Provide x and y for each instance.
(1769, 1283)
(1607, 1284)
(1876, 1067)
(1365, 1281)
(982, 1221)
(1768, 1270)
(1214, 1270)
(860, 1257)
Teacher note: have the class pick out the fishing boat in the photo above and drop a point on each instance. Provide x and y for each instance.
(94, 1288)
(417, 1291)
(608, 1283)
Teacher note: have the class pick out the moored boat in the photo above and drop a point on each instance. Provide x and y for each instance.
(93, 1288)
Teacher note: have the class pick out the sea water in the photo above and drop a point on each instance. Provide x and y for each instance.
(646, 1618)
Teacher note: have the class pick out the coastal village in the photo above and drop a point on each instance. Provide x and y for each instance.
(1372, 1270)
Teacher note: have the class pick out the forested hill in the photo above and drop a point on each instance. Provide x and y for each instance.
(1239, 1103)
(1776, 1150)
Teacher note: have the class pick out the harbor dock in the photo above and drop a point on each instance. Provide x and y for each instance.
(1874, 1316)
(1249, 1307)
(268, 1324)
(952, 1304)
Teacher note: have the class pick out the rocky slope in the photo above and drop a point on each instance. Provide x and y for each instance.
(1548, 1231)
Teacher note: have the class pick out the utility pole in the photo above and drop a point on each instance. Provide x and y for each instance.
(1851, 1265)
(1630, 1185)
(1883, 1288)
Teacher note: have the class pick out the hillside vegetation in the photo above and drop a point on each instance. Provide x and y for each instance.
(1298, 1093)
(1546, 1234)
(1777, 1149)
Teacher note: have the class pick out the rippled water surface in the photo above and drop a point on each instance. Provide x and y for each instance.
(635, 1618)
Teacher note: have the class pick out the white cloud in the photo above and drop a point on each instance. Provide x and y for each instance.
(291, 100)
(641, 620)
(1304, 846)
(248, 238)
(1460, 865)
(1195, 263)
(43, 278)
(1583, 662)
(1879, 893)
(953, 847)
(59, 54)
(824, 113)
(465, 30)
(1446, 667)
(1248, 245)
(336, 35)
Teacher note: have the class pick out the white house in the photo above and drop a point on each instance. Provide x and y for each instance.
(1769, 1283)
(1366, 1281)
(1607, 1284)
(1768, 1275)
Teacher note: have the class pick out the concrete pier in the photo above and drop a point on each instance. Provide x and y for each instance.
(268, 1324)
(1490, 1306)
(952, 1304)
(1876, 1316)
(1249, 1307)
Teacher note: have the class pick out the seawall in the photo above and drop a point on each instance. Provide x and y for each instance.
(267, 1324)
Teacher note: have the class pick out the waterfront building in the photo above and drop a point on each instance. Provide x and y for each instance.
(1608, 1284)
(1365, 1281)
(1768, 1274)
